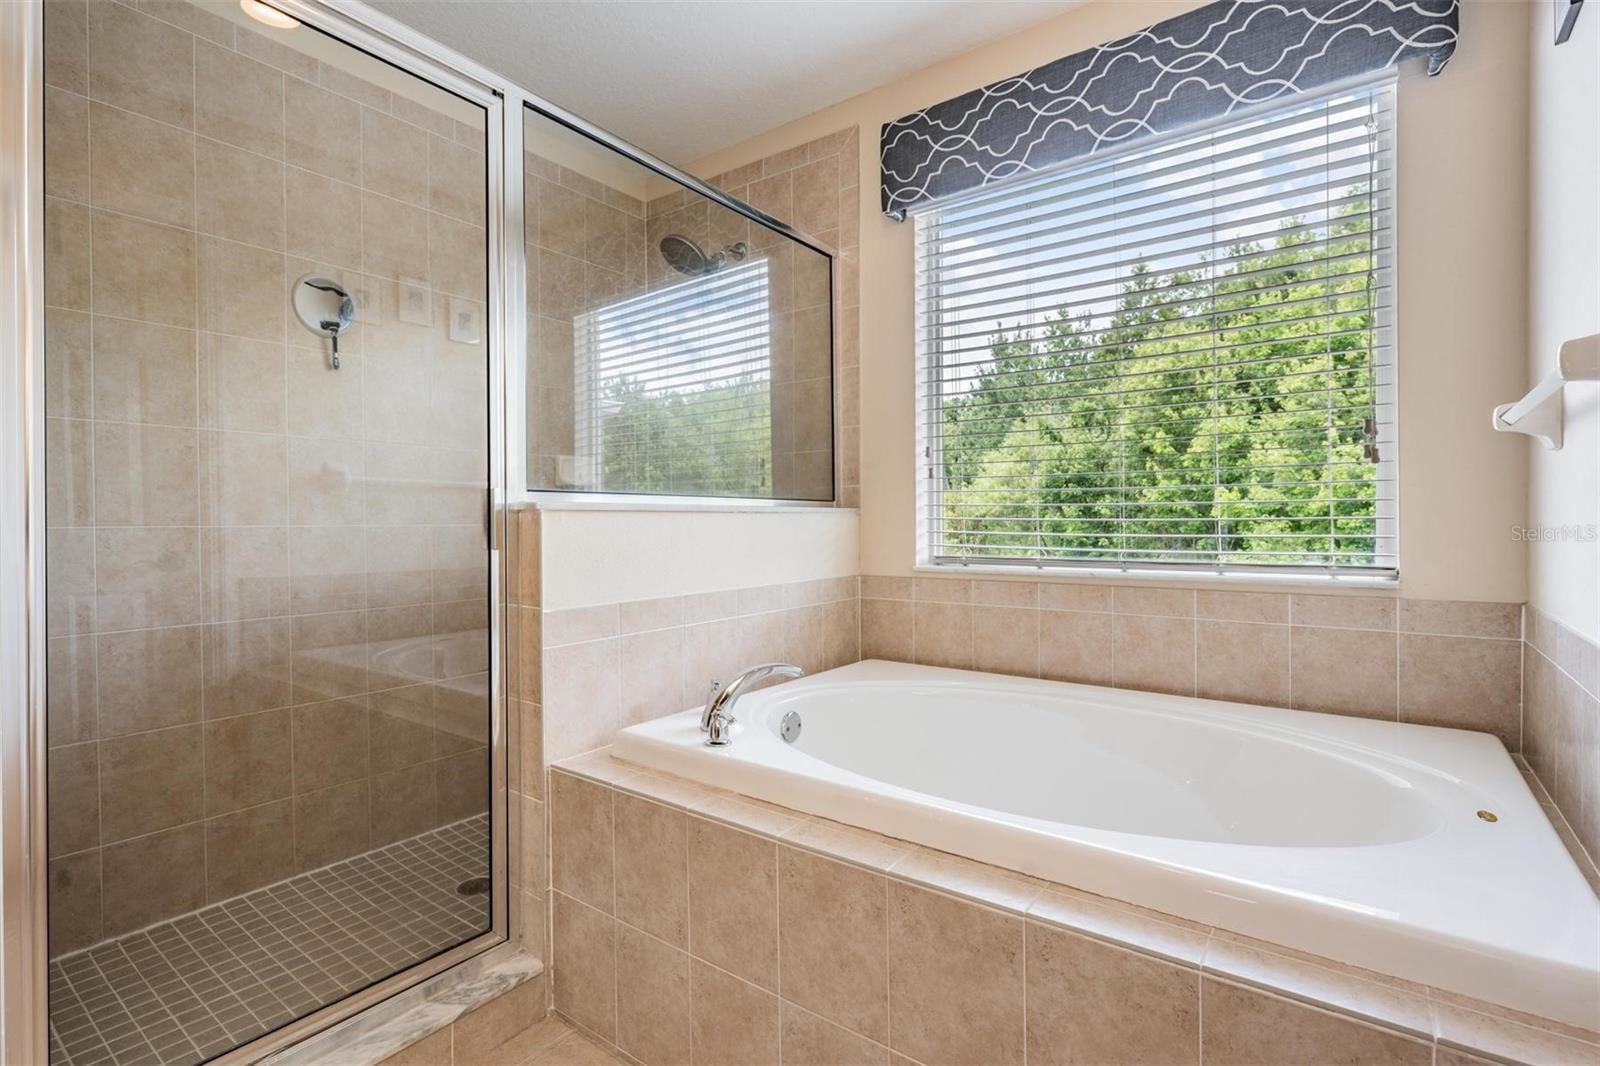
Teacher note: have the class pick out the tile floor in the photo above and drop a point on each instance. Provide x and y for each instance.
(191, 988)
(559, 1043)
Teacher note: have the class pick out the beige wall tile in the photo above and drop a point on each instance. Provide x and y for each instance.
(456, 180)
(404, 803)
(73, 800)
(70, 593)
(66, 45)
(140, 64)
(394, 238)
(808, 1040)
(74, 920)
(463, 785)
(1090, 1002)
(652, 682)
(238, 100)
(1242, 606)
(1460, 618)
(1244, 661)
(68, 375)
(585, 965)
(332, 744)
(153, 878)
(72, 708)
(242, 384)
(1147, 599)
(1346, 671)
(1464, 683)
(653, 1010)
(248, 849)
(322, 220)
(145, 476)
(327, 483)
(150, 679)
(331, 824)
(1345, 612)
(886, 630)
(66, 248)
(944, 953)
(141, 167)
(69, 473)
(329, 656)
(1155, 654)
(652, 886)
(1077, 646)
(481, 1033)
(143, 270)
(1005, 640)
(393, 158)
(143, 373)
(942, 634)
(322, 130)
(244, 573)
(582, 841)
(1243, 1026)
(146, 577)
(582, 696)
(150, 781)
(247, 761)
(833, 941)
(733, 901)
(457, 257)
(239, 195)
(241, 289)
(734, 1023)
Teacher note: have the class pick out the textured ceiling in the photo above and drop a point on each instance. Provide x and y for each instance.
(682, 78)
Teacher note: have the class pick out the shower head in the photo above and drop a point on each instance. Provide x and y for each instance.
(686, 257)
(683, 255)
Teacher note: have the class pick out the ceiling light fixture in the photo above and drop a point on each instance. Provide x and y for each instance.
(268, 15)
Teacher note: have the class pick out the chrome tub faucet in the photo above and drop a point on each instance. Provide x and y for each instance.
(716, 720)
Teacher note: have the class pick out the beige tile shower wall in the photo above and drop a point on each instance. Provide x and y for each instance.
(585, 244)
(813, 187)
(266, 578)
(525, 720)
(1561, 729)
(1425, 661)
(692, 926)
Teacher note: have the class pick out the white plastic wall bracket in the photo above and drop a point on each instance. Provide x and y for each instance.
(1538, 414)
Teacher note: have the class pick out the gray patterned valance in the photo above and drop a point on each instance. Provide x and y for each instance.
(1198, 66)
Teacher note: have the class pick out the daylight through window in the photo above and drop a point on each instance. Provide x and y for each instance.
(1181, 356)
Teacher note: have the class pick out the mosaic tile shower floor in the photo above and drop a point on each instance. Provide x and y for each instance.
(191, 988)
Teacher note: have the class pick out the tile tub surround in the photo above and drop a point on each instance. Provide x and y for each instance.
(1429, 662)
(266, 578)
(1561, 730)
(692, 925)
(610, 666)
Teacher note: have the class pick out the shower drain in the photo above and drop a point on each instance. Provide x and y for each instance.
(473, 886)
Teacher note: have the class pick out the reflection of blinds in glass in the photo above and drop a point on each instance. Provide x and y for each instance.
(673, 388)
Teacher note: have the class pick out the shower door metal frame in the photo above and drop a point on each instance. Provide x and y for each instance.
(24, 1023)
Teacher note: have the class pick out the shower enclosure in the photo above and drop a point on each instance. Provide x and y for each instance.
(283, 275)
(268, 466)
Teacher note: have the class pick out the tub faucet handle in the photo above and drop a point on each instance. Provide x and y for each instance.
(711, 698)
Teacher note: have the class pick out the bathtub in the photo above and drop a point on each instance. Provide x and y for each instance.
(1410, 850)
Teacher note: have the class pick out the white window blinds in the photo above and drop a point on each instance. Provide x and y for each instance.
(673, 388)
(1181, 356)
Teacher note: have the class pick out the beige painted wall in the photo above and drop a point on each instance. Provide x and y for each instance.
(1462, 320)
(1564, 302)
(596, 557)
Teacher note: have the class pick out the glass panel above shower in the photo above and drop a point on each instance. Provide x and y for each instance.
(676, 346)
(267, 390)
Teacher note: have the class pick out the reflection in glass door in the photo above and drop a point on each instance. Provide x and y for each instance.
(267, 452)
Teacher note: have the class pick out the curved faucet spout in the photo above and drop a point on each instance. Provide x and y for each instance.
(718, 713)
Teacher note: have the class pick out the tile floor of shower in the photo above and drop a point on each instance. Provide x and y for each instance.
(195, 986)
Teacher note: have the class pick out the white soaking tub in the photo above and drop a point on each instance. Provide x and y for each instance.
(1353, 839)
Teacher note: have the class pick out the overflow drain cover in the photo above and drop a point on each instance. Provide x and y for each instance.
(473, 886)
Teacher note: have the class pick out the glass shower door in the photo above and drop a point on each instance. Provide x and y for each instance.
(269, 697)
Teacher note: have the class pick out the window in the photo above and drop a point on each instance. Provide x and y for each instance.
(1177, 357)
(673, 388)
